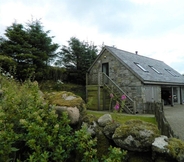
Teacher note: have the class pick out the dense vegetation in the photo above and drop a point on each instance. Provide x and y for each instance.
(27, 52)
(30, 130)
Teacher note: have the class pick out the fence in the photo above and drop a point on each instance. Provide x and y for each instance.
(163, 124)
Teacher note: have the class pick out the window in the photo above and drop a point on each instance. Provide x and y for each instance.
(143, 69)
(171, 72)
(158, 72)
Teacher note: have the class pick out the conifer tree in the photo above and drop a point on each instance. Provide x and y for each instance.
(78, 56)
(30, 47)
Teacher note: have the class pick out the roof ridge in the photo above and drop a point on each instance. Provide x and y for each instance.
(133, 53)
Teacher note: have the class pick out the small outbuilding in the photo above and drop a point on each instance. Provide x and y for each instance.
(142, 79)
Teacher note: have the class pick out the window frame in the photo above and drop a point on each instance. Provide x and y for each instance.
(142, 68)
(154, 69)
(171, 72)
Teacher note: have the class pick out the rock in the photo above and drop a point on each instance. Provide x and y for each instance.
(91, 128)
(104, 120)
(91, 123)
(110, 128)
(73, 113)
(135, 135)
(170, 149)
(70, 98)
(89, 118)
(160, 144)
(67, 101)
(176, 149)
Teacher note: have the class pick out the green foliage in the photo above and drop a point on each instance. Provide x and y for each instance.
(56, 73)
(122, 118)
(30, 130)
(50, 86)
(7, 64)
(85, 145)
(115, 155)
(89, 102)
(30, 47)
(77, 58)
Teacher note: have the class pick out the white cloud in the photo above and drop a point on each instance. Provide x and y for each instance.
(154, 28)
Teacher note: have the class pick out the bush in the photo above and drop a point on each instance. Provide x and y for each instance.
(30, 130)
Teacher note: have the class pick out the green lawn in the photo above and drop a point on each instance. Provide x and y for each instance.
(121, 117)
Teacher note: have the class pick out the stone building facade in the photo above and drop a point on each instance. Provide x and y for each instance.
(142, 93)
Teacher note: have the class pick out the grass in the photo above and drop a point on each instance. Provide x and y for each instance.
(51, 86)
(122, 118)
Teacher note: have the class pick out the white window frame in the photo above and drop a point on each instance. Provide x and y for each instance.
(153, 68)
(143, 69)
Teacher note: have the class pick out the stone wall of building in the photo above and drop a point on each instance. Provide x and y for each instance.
(122, 76)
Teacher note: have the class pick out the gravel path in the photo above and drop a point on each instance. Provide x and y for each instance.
(175, 117)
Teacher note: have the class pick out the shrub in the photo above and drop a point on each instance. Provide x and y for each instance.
(115, 155)
(29, 129)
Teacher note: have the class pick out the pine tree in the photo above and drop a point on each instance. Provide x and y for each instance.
(77, 58)
(30, 47)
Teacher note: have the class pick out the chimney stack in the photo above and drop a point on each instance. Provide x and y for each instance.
(136, 52)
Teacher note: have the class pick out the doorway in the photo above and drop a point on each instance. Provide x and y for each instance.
(105, 68)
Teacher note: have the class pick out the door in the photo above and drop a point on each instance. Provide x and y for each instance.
(152, 94)
(105, 69)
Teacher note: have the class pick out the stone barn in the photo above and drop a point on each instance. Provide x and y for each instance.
(142, 79)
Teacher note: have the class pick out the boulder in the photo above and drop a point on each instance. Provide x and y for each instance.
(176, 149)
(135, 135)
(160, 145)
(66, 101)
(110, 128)
(73, 113)
(104, 120)
(91, 123)
(91, 128)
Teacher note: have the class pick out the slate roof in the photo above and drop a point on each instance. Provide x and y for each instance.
(148, 70)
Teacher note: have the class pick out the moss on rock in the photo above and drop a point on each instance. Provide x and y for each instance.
(89, 118)
(176, 148)
(110, 128)
(134, 127)
(135, 135)
(67, 99)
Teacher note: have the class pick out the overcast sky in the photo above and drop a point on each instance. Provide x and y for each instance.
(154, 28)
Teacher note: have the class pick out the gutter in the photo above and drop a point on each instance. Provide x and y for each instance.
(163, 83)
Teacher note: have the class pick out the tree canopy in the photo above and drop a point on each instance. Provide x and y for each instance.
(30, 47)
(78, 56)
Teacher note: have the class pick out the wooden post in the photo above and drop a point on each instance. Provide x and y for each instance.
(172, 101)
(86, 87)
(134, 107)
(181, 95)
(98, 90)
